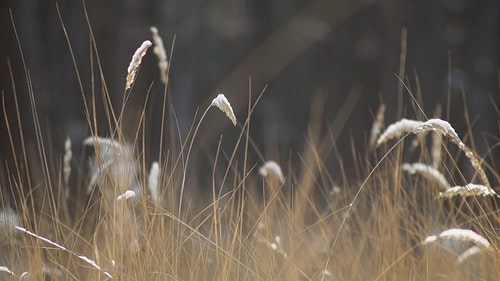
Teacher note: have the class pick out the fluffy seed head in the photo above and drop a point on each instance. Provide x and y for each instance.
(272, 168)
(68, 154)
(377, 126)
(223, 104)
(135, 63)
(128, 194)
(440, 126)
(474, 250)
(428, 172)
(153, 178)
(159, 50)
(460, 235)
(467, 190)
(396, 129)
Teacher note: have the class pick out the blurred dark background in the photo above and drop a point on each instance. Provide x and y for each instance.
(345, 53)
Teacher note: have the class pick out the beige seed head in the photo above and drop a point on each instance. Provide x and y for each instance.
(272, 168)
(159, 51)
(128, 194)
(440, 126)
(467, 190)
(223, 104)
(133, 67)
(428, 172)
(460, 235)
(68, 155)
(394, 130)
(153, 179)
(474, 250)
(377, 125)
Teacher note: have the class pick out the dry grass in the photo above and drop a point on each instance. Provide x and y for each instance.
(302, 227)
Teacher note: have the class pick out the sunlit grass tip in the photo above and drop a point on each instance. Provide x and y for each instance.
(159, 51)
(427, 172)
(394, 130)
(223, 104)
(126, 195)
(467, 190)
(153, 178)
(377, 125)
(460, 235)
(133, 67)
(68, 155)
(271, 168)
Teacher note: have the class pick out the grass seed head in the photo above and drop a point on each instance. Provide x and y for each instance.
(428, 172)
(159, 51)
(68, 155)
(128, 194)
(133, 67)
(440, 126)
(223, 104)
(460, 235)
(474, 250)
(467, 190)
(153, 179)
(394, 130)
(377, 125)
(272, 168)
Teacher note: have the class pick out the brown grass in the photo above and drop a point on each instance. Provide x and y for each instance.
(247, 228)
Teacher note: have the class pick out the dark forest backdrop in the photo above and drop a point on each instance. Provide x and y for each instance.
(301, 49)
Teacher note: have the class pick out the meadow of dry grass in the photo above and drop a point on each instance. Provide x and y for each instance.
(389, 220)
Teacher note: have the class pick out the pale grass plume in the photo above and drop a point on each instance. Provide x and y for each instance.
(8, 221)
(68, 155)
(126, 195)
(444, 128)
(377, 125)
(271, 168)
(403, 126)
(159, 51)
(476, 163)
(114, 166)
(100, 142)
(153, 178)
(427, 172)
(58, 246)
(223, 104)
(460, 235)
(7, 270)
(440, 126)
(133, 67)
(467, 190)
(472, 251)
